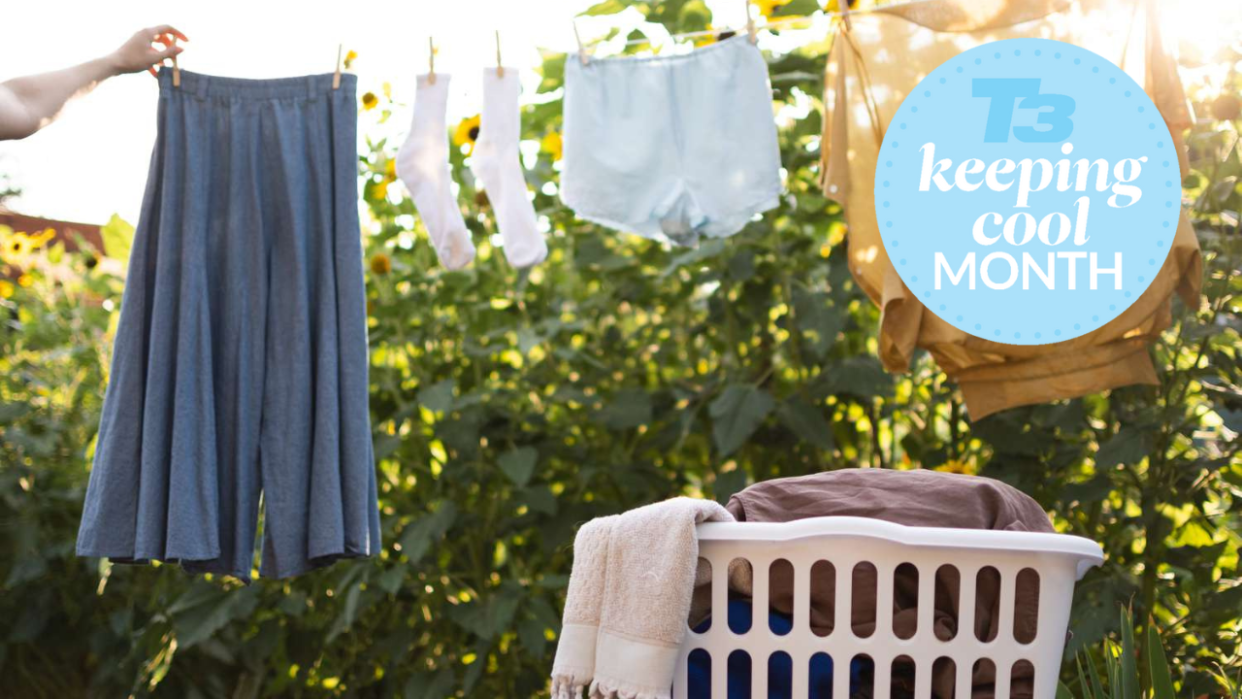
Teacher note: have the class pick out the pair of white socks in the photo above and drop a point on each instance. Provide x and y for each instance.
(422, 164)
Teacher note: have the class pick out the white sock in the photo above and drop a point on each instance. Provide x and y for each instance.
(496, 163)
(422, 164)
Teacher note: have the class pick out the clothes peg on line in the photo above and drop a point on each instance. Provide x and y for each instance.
(582, 52)
(176, 68)
(336, 77)
(431, 61)
(500, 69)
(845, 14)
(750, 23)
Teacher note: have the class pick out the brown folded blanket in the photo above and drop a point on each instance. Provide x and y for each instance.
(914, 498)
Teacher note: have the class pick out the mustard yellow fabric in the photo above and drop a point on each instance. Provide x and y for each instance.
(876, 59)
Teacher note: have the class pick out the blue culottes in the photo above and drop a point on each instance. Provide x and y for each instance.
(239, 375)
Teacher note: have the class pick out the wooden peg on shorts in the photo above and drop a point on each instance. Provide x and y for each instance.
(431, 61)
(750, 24)
(176, 68)
(500, 69)
(336, 77)
(582, 52)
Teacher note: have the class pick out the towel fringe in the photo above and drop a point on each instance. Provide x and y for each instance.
(566, 688)
(611, 689)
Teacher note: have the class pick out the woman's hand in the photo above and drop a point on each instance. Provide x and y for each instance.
(140, 52)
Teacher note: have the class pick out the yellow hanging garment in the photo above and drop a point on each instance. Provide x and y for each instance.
(876, 59)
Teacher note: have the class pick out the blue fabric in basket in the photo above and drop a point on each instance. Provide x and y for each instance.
(780, 674)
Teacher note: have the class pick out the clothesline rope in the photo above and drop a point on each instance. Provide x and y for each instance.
(771, 24)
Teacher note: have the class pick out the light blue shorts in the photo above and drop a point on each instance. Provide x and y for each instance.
(671, 147)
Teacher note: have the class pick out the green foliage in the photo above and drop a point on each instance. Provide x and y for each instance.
(510, 407)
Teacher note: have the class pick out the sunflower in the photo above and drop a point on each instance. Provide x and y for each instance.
(768, 8)
(553, 145)
(467, 133)
(350, 58)
(956, 466)
(390, 170)
(381, 263)
(369, 100)
(714, 36)
(15, 248)
(835, 5)
(6, 289)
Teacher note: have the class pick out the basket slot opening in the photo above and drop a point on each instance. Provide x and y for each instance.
(780, 675)
(944, 678)
(1022, 679)
(948, 591)
(819, 684)
(901, 678)
(905, 601)
(700, 619)
(824, 594)
(781, 595)
(987, 603)
(983, 674)
(862, 676)
(741, 616)
(699, 674)
(1026, 607)
(739, 674)
(863, 600)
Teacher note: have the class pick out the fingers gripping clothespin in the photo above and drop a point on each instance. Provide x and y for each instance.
(750, 24)
(431, 61)
(582, 51)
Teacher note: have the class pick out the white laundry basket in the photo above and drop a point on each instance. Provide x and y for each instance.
(846, 542)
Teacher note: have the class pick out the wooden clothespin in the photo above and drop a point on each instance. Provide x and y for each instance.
(336, 77)
(750, 24)
(500, 69)
(582, 52)
(176, 68)
(845, 14)
(431, 61)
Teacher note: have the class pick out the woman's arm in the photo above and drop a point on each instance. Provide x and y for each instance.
(29, 103)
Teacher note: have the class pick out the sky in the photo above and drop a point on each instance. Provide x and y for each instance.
(93, 162)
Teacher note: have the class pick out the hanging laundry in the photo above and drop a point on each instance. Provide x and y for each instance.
(875, 61)
(496, 163)
(423, 166)
(671, 147)
(240, 365)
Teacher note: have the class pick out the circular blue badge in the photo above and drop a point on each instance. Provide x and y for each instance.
(1027, 191)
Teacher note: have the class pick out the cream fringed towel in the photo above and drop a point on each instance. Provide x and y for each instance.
(629, 598)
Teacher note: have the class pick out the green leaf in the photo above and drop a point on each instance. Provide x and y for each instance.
(438, 397)
(728, 483)
(1129, 446)
(418, 537)
(118, 238)
(1161, 679)
(628, 409)
(736, 414)
(530, 633)
(206, 608)
(1129, 663)
(607, 7)
(519, 464)
(805, 420)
